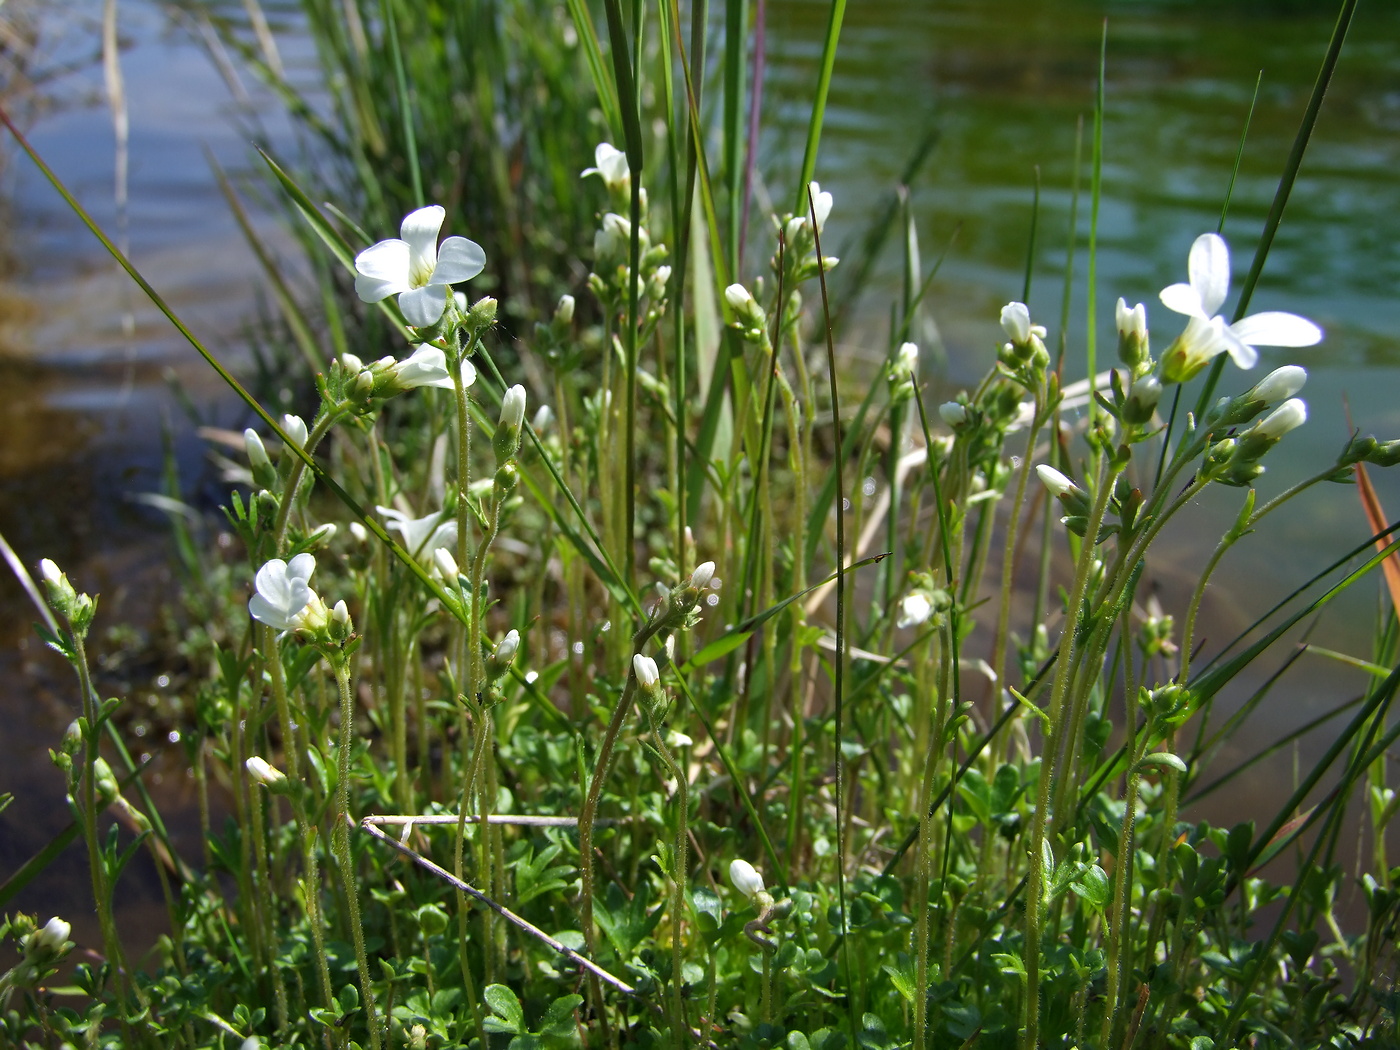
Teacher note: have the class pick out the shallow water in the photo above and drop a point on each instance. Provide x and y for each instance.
(1003, 83)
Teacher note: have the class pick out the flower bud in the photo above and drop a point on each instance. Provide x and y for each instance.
(1279, 385)
(264, 476)
(295, 428)
(953, 413)
(509, 646)
(648, 676)
(51, 939)
(482, 314)
(445, 564)
(703, 574)
(1027, 340)
(1142, 400)
(914, 609)
(746, 878)
(1074, 499)
(506, 442)
(1132, 335)
(260, 771)
(907, 360)
(1290, 415)
(564, 312)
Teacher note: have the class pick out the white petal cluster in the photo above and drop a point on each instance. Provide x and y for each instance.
(284, 599)
(416, 268)
(1207, 333)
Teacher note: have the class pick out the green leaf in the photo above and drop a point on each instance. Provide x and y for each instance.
(510, 1018)
(559, 1018)
(1092, 885)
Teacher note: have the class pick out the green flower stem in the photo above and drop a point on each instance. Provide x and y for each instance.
(589, 813)
(322, 426)
(263, 906)
(679, 871)
(490, 866)
(1009, 554)
(1122, 887)
(277, 681)
(340, 840)
(311, 894)
(923, 858)
(101, 890)
(1050, 760)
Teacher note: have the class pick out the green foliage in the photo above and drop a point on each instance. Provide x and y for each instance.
(496, 798)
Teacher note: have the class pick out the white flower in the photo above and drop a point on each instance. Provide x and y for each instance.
(422, 537)
(295, 428)
(416, 269)
(427, 366)
(1207, 333)
(1290, 415)
(283, 593)
(644, 667)
(49, 570)
(611, 164)
(914, 610)
(745, 878)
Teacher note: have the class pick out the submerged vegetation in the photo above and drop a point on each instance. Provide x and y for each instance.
(577, 683)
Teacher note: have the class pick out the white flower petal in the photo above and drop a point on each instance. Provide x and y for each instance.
(426, 367)
(423, 306)
(302, 566)
(386, 261)
(458, 260)
(420, 229)
(468, 373)
(264, 611)
(1183, 299)
(1209, 267)
(1244, 355)
(1276, 328)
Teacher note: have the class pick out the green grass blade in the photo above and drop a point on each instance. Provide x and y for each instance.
(814, 125)
(410, 136)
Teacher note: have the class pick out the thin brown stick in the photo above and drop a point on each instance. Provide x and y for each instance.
(370, 824)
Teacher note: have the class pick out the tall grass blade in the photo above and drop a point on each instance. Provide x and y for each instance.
(814, 125)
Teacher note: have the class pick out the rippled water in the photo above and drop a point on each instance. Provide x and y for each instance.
(1002, 84)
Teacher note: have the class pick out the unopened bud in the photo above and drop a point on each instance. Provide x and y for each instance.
(564, 312)
(264, 476)
(260, 771)
(1142, 400)
(295, 429)
(51, 939)
(746, 878)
